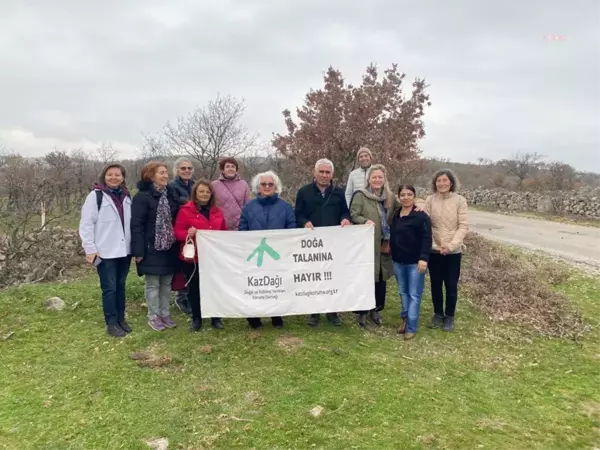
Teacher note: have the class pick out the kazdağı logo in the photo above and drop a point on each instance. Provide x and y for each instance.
(260, 251)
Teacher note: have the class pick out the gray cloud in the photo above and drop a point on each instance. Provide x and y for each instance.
(78, 73)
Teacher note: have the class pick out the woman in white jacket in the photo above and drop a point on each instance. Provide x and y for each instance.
(105, 232)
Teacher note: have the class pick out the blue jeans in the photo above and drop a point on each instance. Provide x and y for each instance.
(410, 288)
(113, 274)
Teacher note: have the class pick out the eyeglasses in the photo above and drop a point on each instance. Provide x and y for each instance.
(267, 184)
(186, 168)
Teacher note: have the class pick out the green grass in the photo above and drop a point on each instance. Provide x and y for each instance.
(67, 385)
(570, 219)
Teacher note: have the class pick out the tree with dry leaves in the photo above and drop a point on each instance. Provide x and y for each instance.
(338, 119)
(210, 133)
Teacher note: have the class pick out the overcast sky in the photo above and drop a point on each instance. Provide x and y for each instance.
(504, 75)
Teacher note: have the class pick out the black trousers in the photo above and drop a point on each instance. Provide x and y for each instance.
(193, 289)
(380, 288)
(256, 322)
(444, 271)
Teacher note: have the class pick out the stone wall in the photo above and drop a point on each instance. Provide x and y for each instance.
(39, 256)
(583, 203)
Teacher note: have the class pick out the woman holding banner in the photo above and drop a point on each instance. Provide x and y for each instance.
(200, 213)
(372, 205)
(267, 212)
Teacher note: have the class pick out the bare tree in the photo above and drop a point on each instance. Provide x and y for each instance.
(106, 153)
(154, 148)
(84, 172)
(521, 165)
(561, 176)
(210, 133)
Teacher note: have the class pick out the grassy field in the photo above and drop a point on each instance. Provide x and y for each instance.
(67, 385)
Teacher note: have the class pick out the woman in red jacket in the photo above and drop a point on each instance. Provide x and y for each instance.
(198, 214)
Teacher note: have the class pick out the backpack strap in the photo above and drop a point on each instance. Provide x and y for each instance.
(99, 195)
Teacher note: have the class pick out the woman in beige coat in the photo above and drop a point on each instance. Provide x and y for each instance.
(373, 205)
(448, 212)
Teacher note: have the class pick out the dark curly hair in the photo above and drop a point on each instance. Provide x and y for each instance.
(453, 179)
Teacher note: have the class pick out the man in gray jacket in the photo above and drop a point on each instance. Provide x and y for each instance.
(358, 177)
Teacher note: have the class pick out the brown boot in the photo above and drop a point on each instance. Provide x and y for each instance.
(409, 336)
(402, 328)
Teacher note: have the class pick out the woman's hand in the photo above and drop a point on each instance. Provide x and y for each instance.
(138, 259)
(91, 257)
(370, 222)
(422, 266)
(192, 232)
(444, 251)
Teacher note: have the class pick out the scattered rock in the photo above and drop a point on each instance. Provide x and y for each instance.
(544, 205)
(8, 336)
(54, 304)
(158, 443)
(316, 411)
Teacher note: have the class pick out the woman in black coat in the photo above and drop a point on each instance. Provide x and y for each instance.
(153, 242)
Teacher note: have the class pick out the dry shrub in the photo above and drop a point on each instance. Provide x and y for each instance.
(510, 287)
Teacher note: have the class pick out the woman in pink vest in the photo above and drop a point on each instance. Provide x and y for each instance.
(231, 192)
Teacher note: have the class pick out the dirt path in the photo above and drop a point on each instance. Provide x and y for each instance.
(573, 243)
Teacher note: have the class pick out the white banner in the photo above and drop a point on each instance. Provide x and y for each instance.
(285, 272)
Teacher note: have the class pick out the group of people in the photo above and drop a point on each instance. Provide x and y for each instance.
(158, 224)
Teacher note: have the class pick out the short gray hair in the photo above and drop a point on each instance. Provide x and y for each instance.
(324, 162)
(178, 162)
(269, 173)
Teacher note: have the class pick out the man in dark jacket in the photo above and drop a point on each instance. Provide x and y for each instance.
(322, 204)
(181, 186)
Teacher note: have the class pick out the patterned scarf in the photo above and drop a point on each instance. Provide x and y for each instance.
(164, 237)
(385, 226)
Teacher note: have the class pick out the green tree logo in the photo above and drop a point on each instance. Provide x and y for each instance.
(259, 252)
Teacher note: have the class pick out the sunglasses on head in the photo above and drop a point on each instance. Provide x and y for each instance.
(267, 184)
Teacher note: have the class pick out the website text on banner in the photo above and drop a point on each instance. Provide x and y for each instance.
(286, 272)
